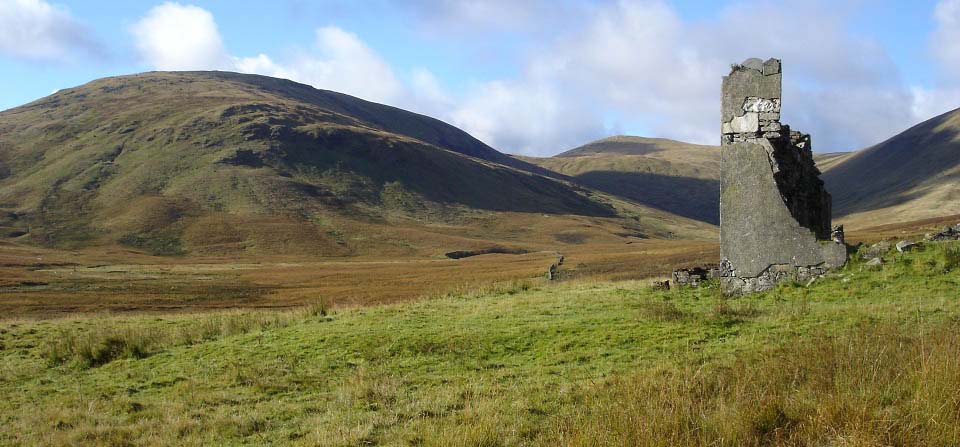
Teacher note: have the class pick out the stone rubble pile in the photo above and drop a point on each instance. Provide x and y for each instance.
(693, 277)
(946, 234)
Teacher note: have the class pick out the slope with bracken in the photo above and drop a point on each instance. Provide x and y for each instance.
(673, 176)
(224, 163)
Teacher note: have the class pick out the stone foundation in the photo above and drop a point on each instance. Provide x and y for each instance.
(770, 277)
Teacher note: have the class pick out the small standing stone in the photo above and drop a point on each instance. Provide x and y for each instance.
(552, 272)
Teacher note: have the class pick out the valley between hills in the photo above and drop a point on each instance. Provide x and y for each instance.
(243, 190)
(212, 258)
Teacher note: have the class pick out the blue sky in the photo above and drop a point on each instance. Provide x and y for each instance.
(533, 77)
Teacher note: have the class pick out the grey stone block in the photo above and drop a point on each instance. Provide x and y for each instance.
(749, 122)
(771, 127)
(770, 87)
(771, 66)
(753, 63)
(875, 251)
(905, 246)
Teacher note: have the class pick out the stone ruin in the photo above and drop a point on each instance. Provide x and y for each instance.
(774, 209)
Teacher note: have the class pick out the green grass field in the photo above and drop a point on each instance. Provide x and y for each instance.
(863, 357)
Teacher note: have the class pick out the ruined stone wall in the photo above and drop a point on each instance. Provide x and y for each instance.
(774, 209)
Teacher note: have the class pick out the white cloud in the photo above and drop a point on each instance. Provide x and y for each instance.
(180, 37)
(930, 102)
(37, 30)
(639, 59)
(641, 62)
(944, 95)
(625, 64)
(185, 37)
(340, 61)
(261, 64)
(945, 41)
(425, 94)
(524, 117)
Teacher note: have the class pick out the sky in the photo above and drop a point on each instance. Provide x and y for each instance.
(532, 77)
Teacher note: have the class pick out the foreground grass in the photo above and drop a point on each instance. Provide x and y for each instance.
(861, 358)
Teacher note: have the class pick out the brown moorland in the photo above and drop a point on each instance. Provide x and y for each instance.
(41, 282)
(47, 283)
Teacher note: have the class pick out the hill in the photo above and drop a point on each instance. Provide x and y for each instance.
(827, 160)
(865, 355)
(226, 163)
(913, 175)
(673, 176)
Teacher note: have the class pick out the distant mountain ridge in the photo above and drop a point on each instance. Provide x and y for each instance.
(635, 145)
(673, 176)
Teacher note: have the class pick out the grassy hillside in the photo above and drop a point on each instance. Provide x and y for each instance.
(913, 175)
(864, 357)
(224, 163)
(672, 176)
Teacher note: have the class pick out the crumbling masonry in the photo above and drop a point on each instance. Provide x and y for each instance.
(774, 210)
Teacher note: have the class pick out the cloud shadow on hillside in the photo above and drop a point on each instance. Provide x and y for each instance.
(694, 198)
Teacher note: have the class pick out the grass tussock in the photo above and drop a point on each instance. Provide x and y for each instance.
(878, 386)
(506, 288)
(102, 343)
(941, 258)
(726, 309)
(661, 311)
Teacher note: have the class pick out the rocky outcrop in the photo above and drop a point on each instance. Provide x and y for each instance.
(774, 209)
